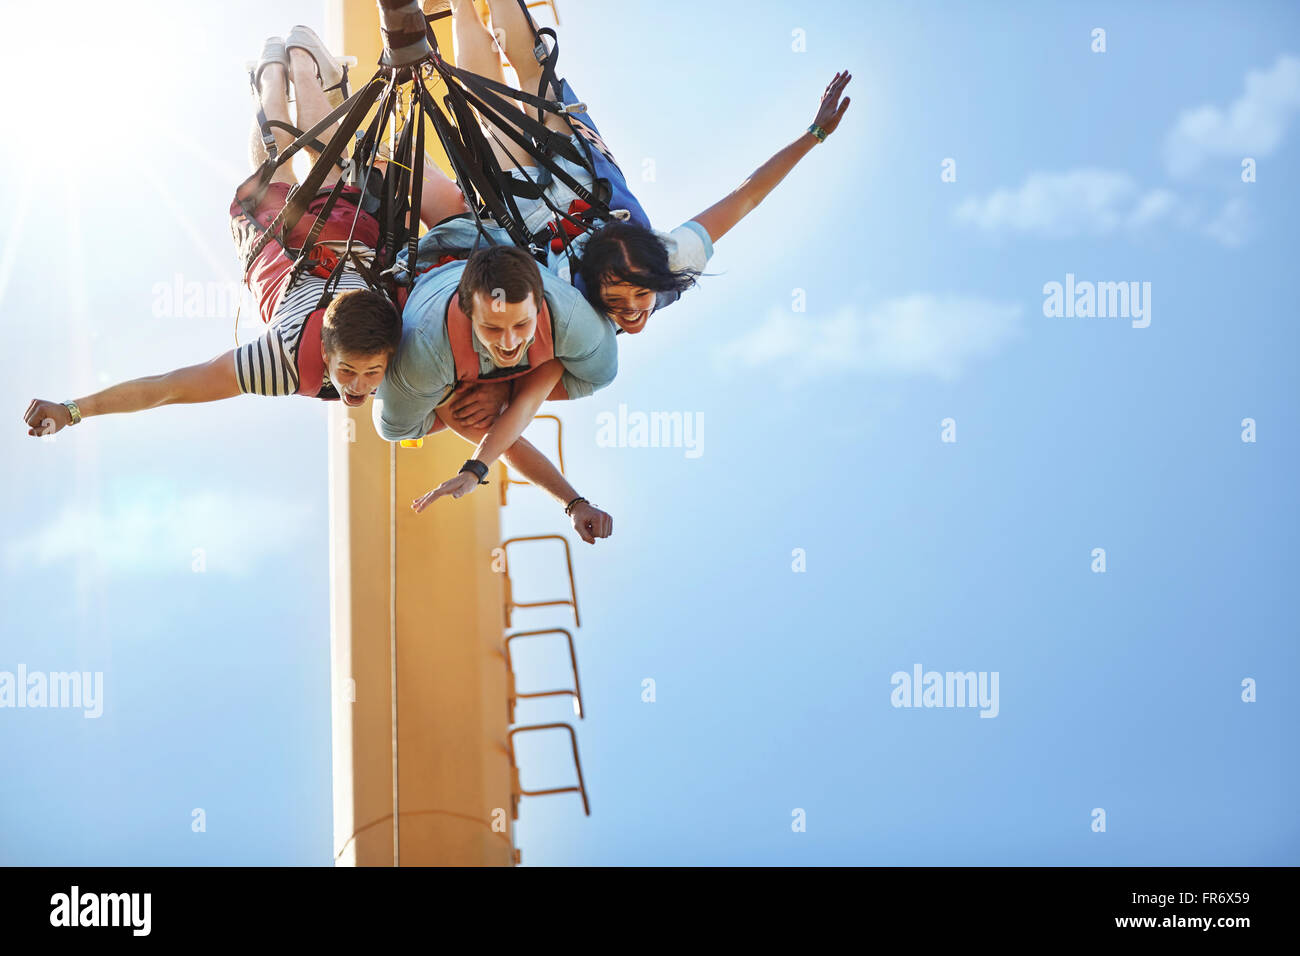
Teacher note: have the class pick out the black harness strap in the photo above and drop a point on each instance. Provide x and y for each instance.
(455, 155)
(529, 188)
(301, 196)
(365, 272)
(504, 125)
(395, 197)
(327, 293)
(417, 181)
(399, 180)
(469, 157)
(297, 134)
(310, 136)
(369, 153)
(548, 57)
(484, 91)
(303, 260)
(268, 138)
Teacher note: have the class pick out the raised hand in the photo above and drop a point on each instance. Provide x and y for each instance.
(831, 109)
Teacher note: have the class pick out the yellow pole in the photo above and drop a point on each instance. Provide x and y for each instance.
(422, 772)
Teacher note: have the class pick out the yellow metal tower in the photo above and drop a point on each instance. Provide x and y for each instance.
(422, 767)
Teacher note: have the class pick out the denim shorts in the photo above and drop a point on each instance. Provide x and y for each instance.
(536, 212)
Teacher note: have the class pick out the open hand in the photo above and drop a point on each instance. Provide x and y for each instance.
(462, 484)
(831, 109)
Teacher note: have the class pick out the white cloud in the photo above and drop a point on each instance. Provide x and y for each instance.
(1155, 205)
(916, 334)
(1099, 202)
(1252, 125)
(143, 533)
(1229, 226)
(1061, 205)
(1096, 203)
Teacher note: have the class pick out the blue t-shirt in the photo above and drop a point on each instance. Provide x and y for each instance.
(423, 373)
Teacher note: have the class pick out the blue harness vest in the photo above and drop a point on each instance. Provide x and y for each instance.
(605, 170)
(604, 166)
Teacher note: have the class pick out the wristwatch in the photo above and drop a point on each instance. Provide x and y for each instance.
(74, 411)
(477, 469)
(817, 131)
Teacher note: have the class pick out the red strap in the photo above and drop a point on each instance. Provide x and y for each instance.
(576, 208)
(326, 259)
(311, 364)
(460, 333)
(441, 262)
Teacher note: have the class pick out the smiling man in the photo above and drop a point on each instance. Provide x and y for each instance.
(493, 319)
(343, 351)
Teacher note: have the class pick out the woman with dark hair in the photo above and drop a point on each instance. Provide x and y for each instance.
(624, 268)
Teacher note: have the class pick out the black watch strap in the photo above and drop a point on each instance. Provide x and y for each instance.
(477, 469)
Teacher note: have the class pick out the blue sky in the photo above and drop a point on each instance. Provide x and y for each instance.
(822, 432)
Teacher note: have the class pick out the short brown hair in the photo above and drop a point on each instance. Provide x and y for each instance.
(361, 322)
(508, 268)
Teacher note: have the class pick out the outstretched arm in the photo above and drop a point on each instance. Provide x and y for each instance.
(719, 218)
(208, 382)
(588, 520)
(505, 431)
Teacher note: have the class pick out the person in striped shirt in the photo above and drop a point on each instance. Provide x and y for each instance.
(337, 353)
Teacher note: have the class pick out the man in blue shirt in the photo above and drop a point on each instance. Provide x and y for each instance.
(492, 317)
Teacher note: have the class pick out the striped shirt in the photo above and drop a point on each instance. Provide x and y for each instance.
(268, 365)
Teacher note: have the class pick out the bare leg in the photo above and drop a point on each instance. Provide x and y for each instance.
(275, 104)
(511, 22)
(440, 197)
(476, 51)
(312, 104)
(473, 44)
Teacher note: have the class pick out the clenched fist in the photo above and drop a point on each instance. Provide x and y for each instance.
(45, 418)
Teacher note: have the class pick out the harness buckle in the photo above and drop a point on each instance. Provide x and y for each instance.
(323, 261)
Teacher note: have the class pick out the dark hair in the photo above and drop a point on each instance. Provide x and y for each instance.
(626, 252)
(361, 322)
(508, 268)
